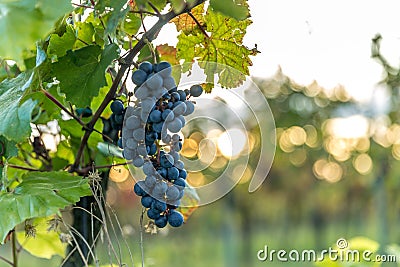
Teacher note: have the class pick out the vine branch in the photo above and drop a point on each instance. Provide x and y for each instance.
(125, 62)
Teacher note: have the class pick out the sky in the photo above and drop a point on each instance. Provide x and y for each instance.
(326, 41)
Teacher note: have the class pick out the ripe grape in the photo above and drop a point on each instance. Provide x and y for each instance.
(196, 90)
(139, 77)
(117, 107)
(146, 138)
(175, 218)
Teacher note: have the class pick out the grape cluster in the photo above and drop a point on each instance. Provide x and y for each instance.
(113, 125)
(150, 140)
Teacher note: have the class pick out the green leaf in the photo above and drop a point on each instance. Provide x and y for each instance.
(8, 149)
(85, 32)
(40, 194)
(22, 22)
(59, 45)
(108, 150)
(82, 72)
(131, 24)
(186, 23)
(238, 10)
(45, 244)
(15, 116)
(115, 16)
(223, 46)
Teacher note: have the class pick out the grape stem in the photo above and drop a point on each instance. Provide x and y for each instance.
(199, 25)
(150, 35)
(58, 103)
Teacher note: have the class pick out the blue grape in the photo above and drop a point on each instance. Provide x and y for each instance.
(167, 115)
(165, 67)
(169, 84)
(175, 96)
(139, 188)
(159, 205)
(179, 164)
(139, 77)
(175, 218)
(154, 82)
(182, 119)
(141, 92)
(138, 134)
(175, 125)
(157, 127)
(163, 172)
(119, 143)
(84, 112)
(196, 90)
(119, 118)
(179, 108)
(117, 107)
(180, 182)
(161, 221)
(142, 151)
(147, 201)
(175, 155)
(155, 116)
(160, 188)
(182, 174)
(131, 143)
(150, 181)
(148, 168)
(146, 67)
(176, 137)
(172, 173)
(153, 149)
(172, 193)
(138, 161)
(166, 161)
(133, 122)
(182, 95)
(153, 214)
(189, 108)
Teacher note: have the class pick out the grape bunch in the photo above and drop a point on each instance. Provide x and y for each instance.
(150, 140)
(113, 125)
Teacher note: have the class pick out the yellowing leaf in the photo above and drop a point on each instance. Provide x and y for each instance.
(224, 46)
(189, 203)
(186, 23)
(168, 53)
(45, 244)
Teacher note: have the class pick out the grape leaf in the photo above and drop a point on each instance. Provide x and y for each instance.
(15, 116)
(82, 72)
(115, 16)
(131, 24)
(22, 22)
(45, 244)
(186, 23)
(223, 46)
(237, 9)
(39, 194)
(8, 149)
(168, 53)
(85, 32)
(59, 45)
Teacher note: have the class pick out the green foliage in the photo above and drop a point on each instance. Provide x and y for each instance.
(45, 244)
(82, 72)
(16, 116)
(236, 9)
(223, 46)
(23, 22)
(40, 194)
